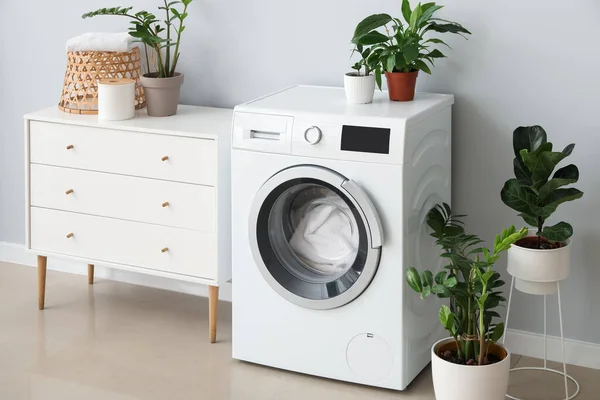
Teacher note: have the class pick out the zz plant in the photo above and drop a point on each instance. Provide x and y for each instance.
(147, 29)
(535, 192)
(403, 46)
(469, 281)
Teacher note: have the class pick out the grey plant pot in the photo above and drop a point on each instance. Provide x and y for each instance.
(162, 94)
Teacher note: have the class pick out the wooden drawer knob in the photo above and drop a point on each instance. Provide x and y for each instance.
(70, 235)
(69, 191)
(165, 158)
(165, 250)
(70, 147)
(165, 204)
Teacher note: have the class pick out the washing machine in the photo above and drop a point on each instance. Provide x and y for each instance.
(329, 204)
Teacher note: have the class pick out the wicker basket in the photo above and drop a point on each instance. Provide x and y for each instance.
(86, 68)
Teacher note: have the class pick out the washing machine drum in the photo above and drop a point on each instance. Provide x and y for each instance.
(315, 237)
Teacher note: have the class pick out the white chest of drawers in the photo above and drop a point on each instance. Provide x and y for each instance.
(150, 195)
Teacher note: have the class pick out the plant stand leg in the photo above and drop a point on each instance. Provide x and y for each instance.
(41, 263)
(545, 333)
(562, 341)
(213, 301)
(91, 274)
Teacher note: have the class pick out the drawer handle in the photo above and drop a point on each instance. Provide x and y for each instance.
(69, 191)
(165, 158)
(165, 204)
(70, 235)
(70, 147)
(165, 250)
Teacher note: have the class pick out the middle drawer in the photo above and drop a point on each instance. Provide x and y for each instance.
(154, 201)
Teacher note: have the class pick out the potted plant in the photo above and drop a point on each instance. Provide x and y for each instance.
(539, 261)
(470, 364)
(162, 86)
(360, 87)
(404, 48)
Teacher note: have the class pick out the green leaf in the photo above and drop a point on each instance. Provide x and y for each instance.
(427, 278)
(186, 2)
(422, 66)
(107, 11)
(440, 277)
(428, 10)
(415, 15)
(441, 290)
(378, 76)
(529, 219)
(529, 138)
(492, 314)
(414, 280)
(435, 53)
(406, 11)
(496, 284)
(426, 292)
(497, 332)
(436, 220)
(446, 317)
(411, 53)
(371, 38)
(391, 63)
(541, 162)
(486, 276)
(517, 197)
(562, 177)
(452, 27)
(569, 149)
(558, 233)
(521, 172)
(370, 23)
(436, 40)
(560, 196)
(450, 282)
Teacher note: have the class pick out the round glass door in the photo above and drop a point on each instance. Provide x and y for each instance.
(312, 239)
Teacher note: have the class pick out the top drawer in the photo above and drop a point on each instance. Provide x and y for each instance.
(148, 155)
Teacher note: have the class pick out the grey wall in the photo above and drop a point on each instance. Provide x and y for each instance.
(528, 62)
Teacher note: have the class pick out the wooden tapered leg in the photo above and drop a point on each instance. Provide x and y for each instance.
(213, 301)
(41, 262)
(91, 274)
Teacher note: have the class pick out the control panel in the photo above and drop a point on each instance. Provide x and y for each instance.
(321, 136)
(346, 138)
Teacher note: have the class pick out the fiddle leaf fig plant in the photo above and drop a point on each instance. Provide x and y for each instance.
(536, 191)
(404, 46)
(469, 281)
(147, 29)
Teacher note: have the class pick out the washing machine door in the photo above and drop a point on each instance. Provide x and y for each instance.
(315, 236)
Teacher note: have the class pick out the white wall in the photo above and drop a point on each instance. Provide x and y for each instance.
(528, 62)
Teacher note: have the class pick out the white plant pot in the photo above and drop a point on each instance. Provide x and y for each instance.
(537, 271)
(359, 89)
(468, 382)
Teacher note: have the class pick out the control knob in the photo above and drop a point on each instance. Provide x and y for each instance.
(313, 135)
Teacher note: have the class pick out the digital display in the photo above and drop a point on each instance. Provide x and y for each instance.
(365, 139)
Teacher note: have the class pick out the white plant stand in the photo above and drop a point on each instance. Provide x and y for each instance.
(562, 341)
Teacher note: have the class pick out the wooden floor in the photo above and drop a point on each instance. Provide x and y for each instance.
(118, 341)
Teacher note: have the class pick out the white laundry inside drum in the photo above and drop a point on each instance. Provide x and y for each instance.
(326, 236)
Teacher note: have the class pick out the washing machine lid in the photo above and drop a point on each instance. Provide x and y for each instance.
(315, 236)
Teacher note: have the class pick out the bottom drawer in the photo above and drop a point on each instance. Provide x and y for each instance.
(156, 247)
